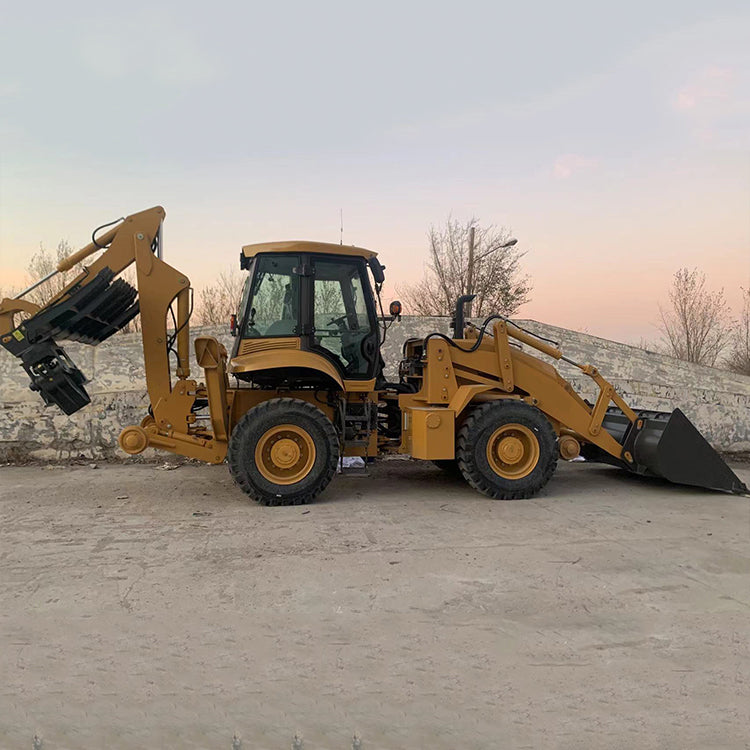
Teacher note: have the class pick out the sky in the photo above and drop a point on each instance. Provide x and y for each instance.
(613, 139)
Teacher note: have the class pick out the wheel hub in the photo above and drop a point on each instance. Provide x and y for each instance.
(513, 451)
(510, 450)
(285, 454)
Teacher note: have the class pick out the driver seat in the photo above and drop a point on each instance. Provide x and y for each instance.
(288, 322)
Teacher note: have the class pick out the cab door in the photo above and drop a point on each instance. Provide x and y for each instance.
(344, 324)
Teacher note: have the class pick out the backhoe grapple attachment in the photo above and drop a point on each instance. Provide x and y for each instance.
(87, 313)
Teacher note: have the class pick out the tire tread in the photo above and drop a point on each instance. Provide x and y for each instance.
(243, 433)
(466, 444)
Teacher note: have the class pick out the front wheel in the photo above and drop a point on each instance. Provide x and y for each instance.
(507, 449)
(283, 452)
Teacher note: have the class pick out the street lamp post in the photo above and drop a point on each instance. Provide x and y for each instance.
(470, 272)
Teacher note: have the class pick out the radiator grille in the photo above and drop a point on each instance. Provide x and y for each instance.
(251, 346)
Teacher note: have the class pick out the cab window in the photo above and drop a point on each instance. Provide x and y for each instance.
(273, 302)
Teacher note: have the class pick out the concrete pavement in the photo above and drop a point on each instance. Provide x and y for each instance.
(143, 607)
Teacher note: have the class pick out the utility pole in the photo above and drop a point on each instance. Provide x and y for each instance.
(472, 260)
(470, 272)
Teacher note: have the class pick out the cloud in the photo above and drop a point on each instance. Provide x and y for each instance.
(715, 106)
(711, 86)
(568, 164)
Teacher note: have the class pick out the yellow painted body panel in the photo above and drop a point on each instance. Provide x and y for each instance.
(243, 399)
(281, 358)
(429, 433)
(359, 386)
(303, 246)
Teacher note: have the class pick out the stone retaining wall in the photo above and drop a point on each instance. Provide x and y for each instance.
(718, 402)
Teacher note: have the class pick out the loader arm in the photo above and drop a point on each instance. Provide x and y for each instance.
(661, 444)
(95, 305)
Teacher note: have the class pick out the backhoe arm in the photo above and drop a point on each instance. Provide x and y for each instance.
(96, 304)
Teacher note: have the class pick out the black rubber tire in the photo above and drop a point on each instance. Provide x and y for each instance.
(471, 449)
(250, 429)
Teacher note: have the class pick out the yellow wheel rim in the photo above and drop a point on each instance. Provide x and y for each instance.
(513, 451)
(285, 454)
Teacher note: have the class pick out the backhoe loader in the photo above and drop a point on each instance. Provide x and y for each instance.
(309, 377)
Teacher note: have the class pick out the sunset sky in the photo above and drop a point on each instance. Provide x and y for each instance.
(614, 139)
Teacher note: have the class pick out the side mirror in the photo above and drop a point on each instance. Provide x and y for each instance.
(233, 325)
(377, 268)
(395, 309)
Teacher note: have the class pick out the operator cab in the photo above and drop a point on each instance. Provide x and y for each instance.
(312, 297)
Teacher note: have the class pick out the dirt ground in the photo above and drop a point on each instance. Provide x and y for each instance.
(149, 608)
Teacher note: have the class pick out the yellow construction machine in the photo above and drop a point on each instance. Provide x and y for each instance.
(309, 377)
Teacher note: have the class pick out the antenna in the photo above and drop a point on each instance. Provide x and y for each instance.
(341, 217)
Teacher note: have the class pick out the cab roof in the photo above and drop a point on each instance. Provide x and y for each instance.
(304, 246)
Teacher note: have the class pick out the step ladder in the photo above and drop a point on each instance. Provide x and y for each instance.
(357, 414)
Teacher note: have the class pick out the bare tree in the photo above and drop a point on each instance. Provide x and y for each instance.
(696, 326)
(44, 262)
(739, 352)
(497, 280)
(8, 291)
(217, 301)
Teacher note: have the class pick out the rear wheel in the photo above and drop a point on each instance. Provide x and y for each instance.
(507, 450)
(283, 452)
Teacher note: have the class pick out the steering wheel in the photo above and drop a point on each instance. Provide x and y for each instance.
(341, 322)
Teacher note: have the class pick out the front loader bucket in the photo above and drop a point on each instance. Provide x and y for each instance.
(667, 445)
(675, 450)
